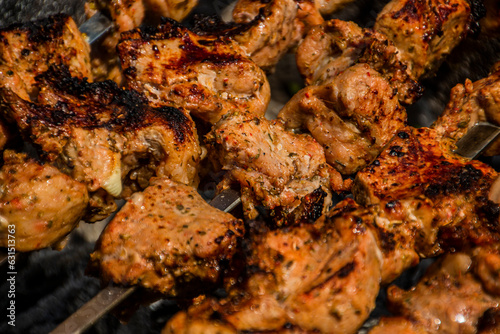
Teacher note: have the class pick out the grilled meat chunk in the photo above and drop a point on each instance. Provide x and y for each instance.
(43, 204)
(330, 48)
(307, 278)
(449, 299)
(167, 239)
(207, 75)
(424, 31)
(490, 24)
(470, 103)
(28, 49)
(269, 29)
(353, 116)
(274, 167)
(418, 165)
(104, 136)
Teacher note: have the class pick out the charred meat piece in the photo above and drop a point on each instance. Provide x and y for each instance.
(42, 203)
(106, 137)
(207, 75)
(267, 30)
(353, 116)
(274, 167)
(305, 278)
(29, 49)
(470, 103)
(332, 47)
(418, 165)
(167, 239)
(425, 31)
(449, 299)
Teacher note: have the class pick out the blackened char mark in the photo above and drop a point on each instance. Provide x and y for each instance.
(40, 31)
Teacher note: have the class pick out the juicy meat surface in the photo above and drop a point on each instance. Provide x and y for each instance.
(353, 116)
(29, 49)
(305, 278)
(207, 75)
(166, 238)
(42, 203)
(274, 167)
(424, 31)
(272, 28)
(330, 48)
(418, 165)
(470, 103)
(106, 137)
(448, 299)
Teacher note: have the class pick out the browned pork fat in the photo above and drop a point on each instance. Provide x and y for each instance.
(167, 239)
(42, 203)
(207, 75)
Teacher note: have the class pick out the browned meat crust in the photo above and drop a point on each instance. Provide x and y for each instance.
(449, 299)
(425, 31)
(167, 239)
(42, 203)
(207, 75)
(274, 167)
(104, 136)
(29, 49)
(470, 103)
(353, 116)
(332, 47)
(418, 165)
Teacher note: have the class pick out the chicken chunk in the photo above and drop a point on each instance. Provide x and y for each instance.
(424, 31)
(470, 103)
(29, 49)
(167, 239)
(43, 204)
(353, 116)
(207, 75)
(274, 168)
(108, 138)
(449, 299)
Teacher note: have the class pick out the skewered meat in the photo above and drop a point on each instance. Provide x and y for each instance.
(104, 136)
(274, 167)
(332, 47)
(424, 31)
(207, 75)
(167, 239)
(421, 200)
(449, 299)
(353, 116)
(470, 103)
(175, 9)
(28, 49)
(419, 165)
(42, 203)
(305, 278)
(268, 29)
